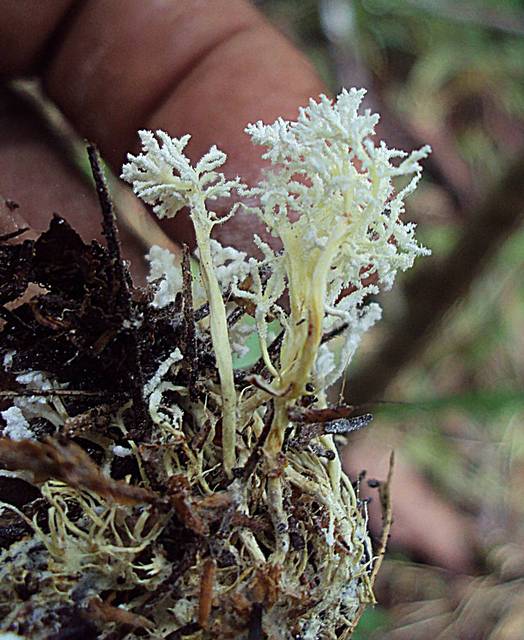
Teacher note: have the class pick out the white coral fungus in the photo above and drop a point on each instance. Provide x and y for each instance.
(332, 202)
(334, 199)
(165, 274)
(17, 427)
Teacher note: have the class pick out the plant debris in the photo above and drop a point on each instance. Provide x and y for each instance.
(70, 464)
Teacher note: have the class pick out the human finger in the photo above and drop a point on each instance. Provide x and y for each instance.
(36, 181)
(206, 68)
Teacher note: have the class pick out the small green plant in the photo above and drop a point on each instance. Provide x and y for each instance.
(245, 525)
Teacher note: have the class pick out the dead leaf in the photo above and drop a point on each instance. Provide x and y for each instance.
(70, 464)
(104, 612)
(207, 584)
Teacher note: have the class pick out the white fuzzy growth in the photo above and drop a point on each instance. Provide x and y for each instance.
(240, 350)
(230, 264)
(164, 177)
(325, 363)
(334, 357)
(168, 418)
(240, 334)
(8, 360)
(36, 380)
(174, 357)
(345, 178)
(166, 275)
(17, 427)
(333, 189)
(121, 452)
(35, 406)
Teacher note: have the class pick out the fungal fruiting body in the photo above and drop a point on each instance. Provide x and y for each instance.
(244, 523)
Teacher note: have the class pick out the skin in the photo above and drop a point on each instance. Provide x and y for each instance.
(207, 67)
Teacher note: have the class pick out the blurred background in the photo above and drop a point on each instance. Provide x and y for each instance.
(446, 364)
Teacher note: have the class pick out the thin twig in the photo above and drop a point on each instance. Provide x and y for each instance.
(235, 316)
(329, 335)
(199, 439)
(387, 521)
(202, 312)
(109, 228)
(311, 415)
(64, 393)
(96, 418)
(13, 234)
(9, 316)
(232, 318)
(189, 323)
(387, 517)
(123, 293)
(207, 584)
(348, 425)
(186, 630)
(308, 430)
(254, 457)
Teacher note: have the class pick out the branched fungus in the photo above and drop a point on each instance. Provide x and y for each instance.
(215, 504)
